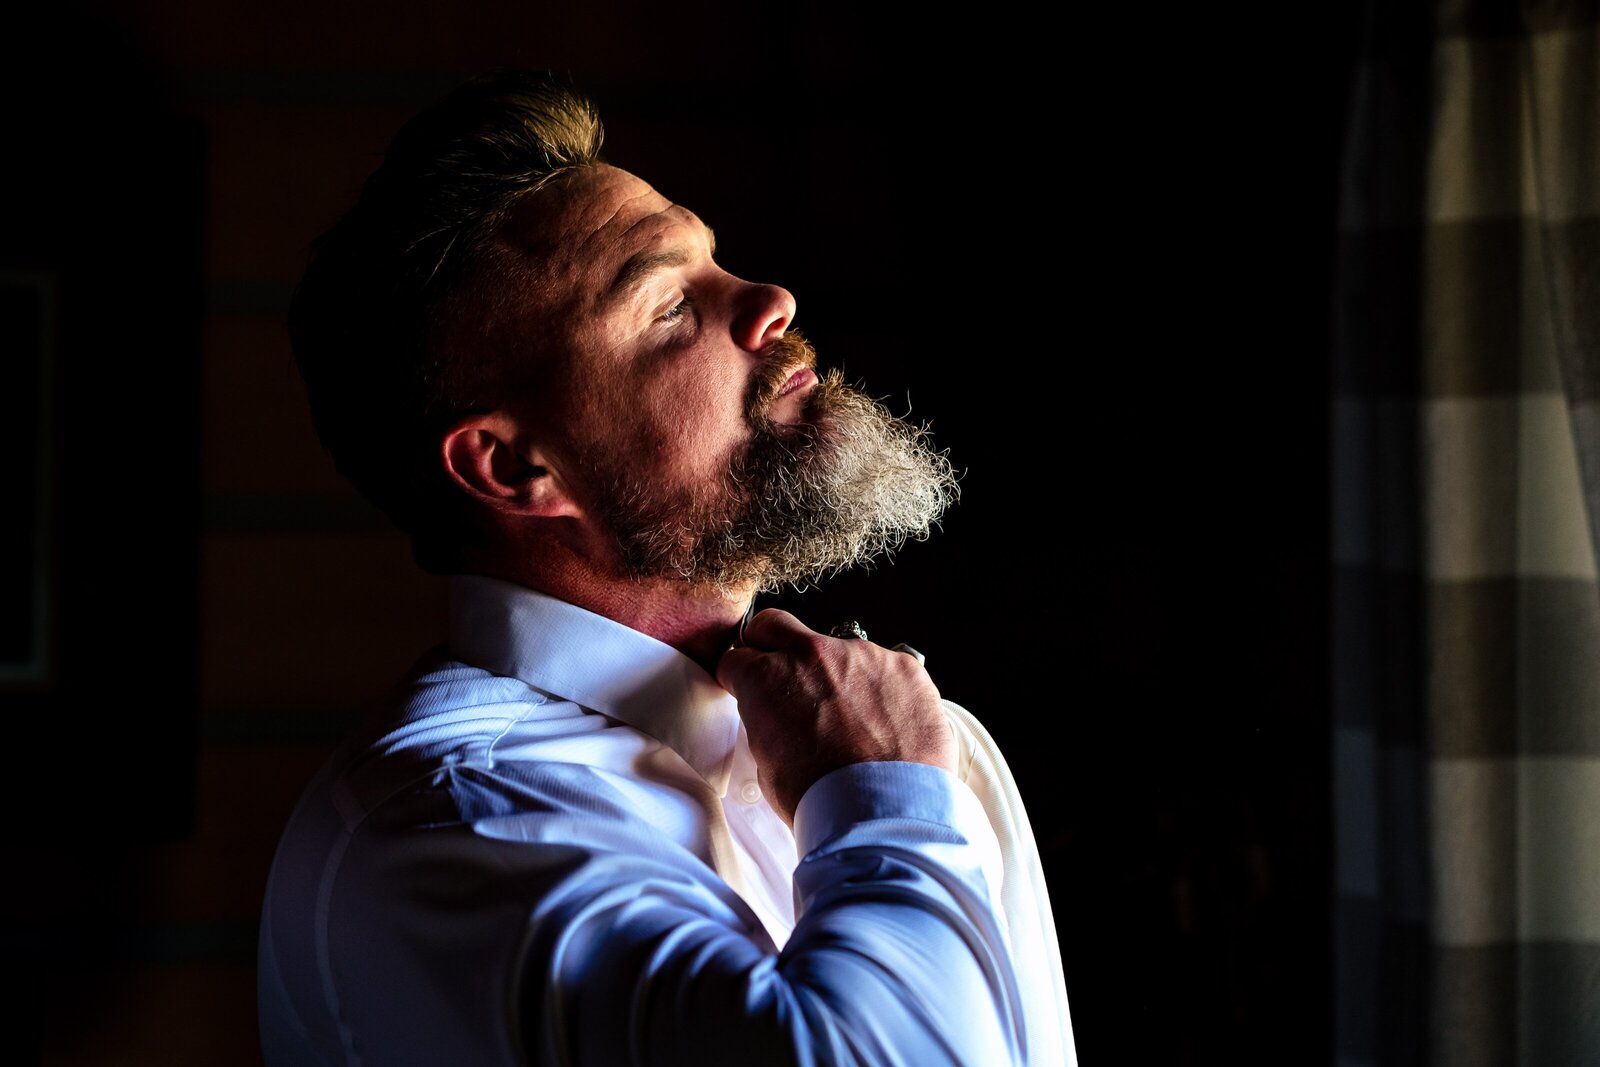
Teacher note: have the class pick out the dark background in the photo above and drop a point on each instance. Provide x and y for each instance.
(1095, 258)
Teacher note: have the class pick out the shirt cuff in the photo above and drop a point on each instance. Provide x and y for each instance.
(862, 792)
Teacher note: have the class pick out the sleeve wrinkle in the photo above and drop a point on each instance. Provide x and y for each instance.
(896, 959)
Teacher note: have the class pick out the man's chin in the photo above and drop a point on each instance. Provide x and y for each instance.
(842, 484)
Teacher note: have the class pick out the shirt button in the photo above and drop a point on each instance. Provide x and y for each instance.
(750, 792)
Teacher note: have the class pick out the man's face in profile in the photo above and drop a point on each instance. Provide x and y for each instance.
(687, 418)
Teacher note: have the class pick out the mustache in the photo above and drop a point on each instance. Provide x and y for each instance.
(783, 357)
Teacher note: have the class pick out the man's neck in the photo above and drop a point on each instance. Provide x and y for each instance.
(701, 626)
(698, 621)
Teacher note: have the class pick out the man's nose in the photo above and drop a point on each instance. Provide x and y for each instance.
(765, 312)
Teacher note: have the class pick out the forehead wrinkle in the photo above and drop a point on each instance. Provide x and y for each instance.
(599, 231)
(695, 222)
(667, 217)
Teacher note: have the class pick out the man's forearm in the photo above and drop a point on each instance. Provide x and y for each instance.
(897, 958)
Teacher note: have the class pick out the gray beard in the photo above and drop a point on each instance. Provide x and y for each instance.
(847, 483)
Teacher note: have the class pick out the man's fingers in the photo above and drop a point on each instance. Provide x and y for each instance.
(773, 629)
(735, 666)
(812, 703)
(770, 630)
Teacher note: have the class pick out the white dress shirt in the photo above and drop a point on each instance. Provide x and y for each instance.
(552, 849)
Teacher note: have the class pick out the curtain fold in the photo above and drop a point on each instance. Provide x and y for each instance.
(1466, 649)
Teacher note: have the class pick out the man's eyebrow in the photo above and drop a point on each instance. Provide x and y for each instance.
(641, 266)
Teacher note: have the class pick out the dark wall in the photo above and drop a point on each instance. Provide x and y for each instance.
(1096, 261)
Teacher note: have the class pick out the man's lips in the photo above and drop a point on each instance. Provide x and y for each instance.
(798, 380)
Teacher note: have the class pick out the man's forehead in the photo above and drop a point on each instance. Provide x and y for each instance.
(593, 215)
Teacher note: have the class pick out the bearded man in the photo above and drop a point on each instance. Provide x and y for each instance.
(615, 819)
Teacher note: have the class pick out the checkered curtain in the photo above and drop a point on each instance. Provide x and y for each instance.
(1466, 658)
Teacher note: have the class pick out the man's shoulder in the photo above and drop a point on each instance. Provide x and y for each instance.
(448, 713)
(445, 691)
(453, 742)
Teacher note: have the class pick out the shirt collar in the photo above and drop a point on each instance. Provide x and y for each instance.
(598, 663)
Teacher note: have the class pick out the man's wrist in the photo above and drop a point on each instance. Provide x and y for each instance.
(864, 792)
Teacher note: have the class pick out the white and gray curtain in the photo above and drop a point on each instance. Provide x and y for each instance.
(1466, 649)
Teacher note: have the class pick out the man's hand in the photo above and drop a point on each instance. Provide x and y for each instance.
(812, 704)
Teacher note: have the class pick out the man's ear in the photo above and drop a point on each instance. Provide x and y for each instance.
(490, 457)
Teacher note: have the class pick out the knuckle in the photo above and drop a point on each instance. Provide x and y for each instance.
(904, 666)
(813, 647)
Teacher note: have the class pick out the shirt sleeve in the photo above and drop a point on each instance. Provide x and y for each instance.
(554, 928)
(1023, 894)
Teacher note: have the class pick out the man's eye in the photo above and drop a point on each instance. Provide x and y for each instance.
(677, 310)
